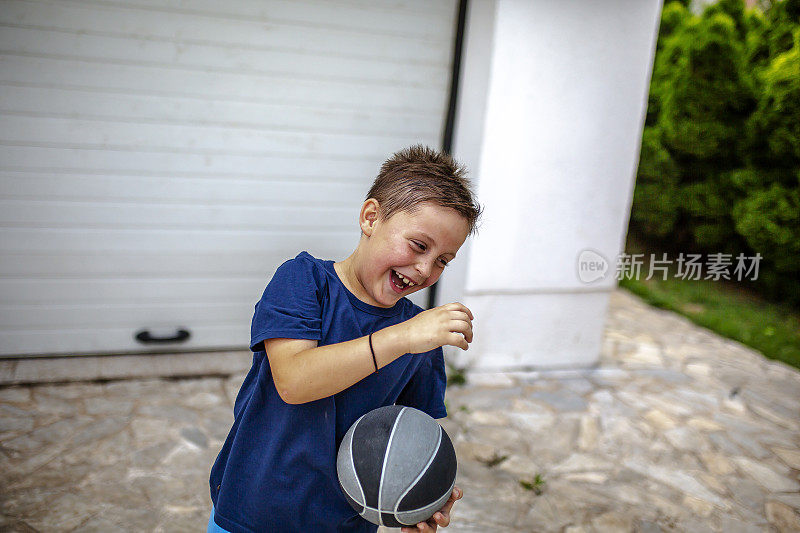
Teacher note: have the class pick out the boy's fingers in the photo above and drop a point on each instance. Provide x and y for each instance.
(456, 495)
(442, 518)
(461, 307)
(424, 527)
(447, 506)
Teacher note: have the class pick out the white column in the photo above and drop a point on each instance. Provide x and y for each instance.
(551, 109)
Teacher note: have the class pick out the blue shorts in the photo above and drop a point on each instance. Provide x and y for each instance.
(212, 526)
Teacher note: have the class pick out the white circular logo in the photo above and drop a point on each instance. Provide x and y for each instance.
(591, 266)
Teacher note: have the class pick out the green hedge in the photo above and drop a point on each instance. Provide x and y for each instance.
(719, 169)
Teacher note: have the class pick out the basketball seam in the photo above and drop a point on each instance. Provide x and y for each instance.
(353, 465)
(354, 498)
(422, 473)
(368, 508)
(380, 512)
(386, 460)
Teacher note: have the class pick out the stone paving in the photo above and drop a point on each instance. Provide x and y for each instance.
(676, 430)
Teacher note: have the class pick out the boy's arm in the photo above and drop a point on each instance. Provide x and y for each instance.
(304, 372)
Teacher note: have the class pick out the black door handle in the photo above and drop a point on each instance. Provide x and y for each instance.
(145, 336)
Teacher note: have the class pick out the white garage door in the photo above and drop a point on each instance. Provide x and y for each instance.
(160, 158)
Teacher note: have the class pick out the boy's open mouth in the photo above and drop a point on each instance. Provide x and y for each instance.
(400, 282)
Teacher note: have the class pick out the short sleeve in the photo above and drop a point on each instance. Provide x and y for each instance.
(425, 390)
(291, 306)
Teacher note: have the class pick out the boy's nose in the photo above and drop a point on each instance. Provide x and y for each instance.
(424, 268)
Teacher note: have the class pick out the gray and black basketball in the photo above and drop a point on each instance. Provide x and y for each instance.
(396, 466)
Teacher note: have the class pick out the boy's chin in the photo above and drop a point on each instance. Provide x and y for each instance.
(392, 298)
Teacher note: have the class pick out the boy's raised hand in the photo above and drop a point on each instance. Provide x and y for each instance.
(449, 324)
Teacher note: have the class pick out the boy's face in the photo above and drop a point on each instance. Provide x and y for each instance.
(414, 245)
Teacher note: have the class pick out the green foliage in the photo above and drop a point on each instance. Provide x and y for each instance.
(778, 115)
(654, 208)
(455, 375)
(536, 485)
(494, 460)
(770, 220)
(704, 101)
(719, 169)
(783, 18)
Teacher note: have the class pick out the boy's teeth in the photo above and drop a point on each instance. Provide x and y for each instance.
(405, 280)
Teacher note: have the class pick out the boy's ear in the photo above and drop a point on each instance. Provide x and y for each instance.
(370, 211)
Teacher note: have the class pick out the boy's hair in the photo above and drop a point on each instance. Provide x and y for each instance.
(421, 174)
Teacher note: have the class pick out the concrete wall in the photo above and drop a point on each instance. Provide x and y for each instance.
(550, 120)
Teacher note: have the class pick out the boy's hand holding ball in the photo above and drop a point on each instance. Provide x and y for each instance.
(440, 518)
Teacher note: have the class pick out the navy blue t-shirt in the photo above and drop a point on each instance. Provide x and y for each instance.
(277, 468)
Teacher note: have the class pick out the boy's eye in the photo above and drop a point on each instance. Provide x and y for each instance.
(422, 248)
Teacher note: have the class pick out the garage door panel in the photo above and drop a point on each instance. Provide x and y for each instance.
(257, 263)
(393, 42)
(154, 109)
(46, 131)
(343, 92)
(91, 240)
(98, 340)
(112, 314)
(379, 15)
(231, 192)
(141, 263)
(210, 58)
(96, 215)
(143, 290)
(44, 158)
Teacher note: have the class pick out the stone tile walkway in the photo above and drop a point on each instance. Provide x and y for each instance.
(676, 430)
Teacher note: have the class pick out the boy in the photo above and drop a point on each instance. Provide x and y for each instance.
(332, 341)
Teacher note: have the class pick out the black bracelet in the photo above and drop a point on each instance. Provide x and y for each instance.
(374, 360)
